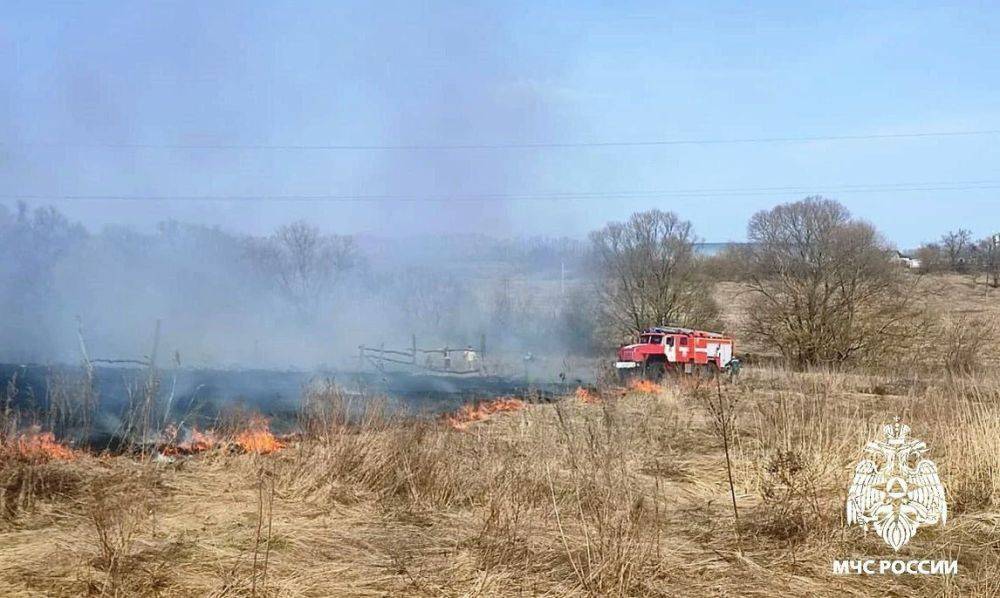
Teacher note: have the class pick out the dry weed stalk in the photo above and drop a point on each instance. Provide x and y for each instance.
(118, 507)
(721, 409)
(263, 530)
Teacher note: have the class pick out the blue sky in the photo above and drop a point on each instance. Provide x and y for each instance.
(80, 80)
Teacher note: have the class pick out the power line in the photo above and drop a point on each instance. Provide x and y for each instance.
(501, 146)
(846, 189)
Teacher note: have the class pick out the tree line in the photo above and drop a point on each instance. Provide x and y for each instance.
(818, 286)
(957, 251)
(297, 296)
(815, 285)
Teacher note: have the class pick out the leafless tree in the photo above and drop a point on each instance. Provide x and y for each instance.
(430, 299)
(964, 341)
(303, 262)
(32, 245)
(649, 274)
(823, 287)
(726, 265)
(932, 258)
(956, 245)
(989, 259)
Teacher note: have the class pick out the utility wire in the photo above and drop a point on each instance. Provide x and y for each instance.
(500, 146)
(541, 196)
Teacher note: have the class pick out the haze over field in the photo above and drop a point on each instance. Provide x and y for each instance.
(169, 102)
(296, 297)
(176, 133)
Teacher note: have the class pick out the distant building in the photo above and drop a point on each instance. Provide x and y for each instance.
(906, 261)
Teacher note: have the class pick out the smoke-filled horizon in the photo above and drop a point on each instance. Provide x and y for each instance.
(125, 115)
(298, 297)
(93, 81)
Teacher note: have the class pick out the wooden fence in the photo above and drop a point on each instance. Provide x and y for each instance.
(446, 360)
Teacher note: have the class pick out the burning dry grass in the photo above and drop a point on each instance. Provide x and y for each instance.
(623, 496)
(191, 442)
(34, 446)
(586, 395)
(250, 436)
(256, 437)
(644, 386)
(33, 467)
(467, 415)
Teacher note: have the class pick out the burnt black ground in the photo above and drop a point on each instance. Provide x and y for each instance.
(203, 396)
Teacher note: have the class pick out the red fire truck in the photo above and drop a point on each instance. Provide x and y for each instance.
(670, 349)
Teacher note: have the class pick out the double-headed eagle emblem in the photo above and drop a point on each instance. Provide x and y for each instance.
(895, 489)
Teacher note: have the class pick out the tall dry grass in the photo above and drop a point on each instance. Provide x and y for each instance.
(625, 494)
(556, 494)
(801, 437)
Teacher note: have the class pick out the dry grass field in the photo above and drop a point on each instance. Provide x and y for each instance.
(607, 492)
(951, 300)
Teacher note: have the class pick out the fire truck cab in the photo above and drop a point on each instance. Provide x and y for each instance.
(671, 349)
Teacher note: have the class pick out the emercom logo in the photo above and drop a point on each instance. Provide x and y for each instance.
(895, 567)
(895, 491)
(895, 488)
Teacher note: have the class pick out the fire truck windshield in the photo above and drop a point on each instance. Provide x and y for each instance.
(651, 339)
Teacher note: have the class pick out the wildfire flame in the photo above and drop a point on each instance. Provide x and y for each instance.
(194, 441)
(586, 395)
(201, 441)
(257, 438)
(36, 445)
(645, 386)
(469, 414)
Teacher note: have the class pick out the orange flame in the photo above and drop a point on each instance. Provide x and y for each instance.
(196, 442)
(645, 386)
(586, 395)
(37, 446)
(257, 438)
(469, 414)
(201, 441)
